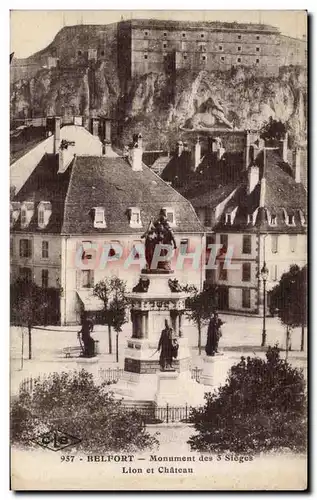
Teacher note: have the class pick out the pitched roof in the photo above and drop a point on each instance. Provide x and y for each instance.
(23, 139)
(45, 184)
(111, 183)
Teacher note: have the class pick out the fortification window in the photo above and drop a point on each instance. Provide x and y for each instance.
(102, 53)
(257, 61)
(222, 58)
(146, 33)
(165, 56)
(220, 47)
(204, 58)
(258, 49)
(202, 35)
(79, 52)
(239, 37)
(257, 37)
(239, 49)
(239, 59)
(165, 34)
(185, 56)
(164, 45)
(184, 35)
(145, 56)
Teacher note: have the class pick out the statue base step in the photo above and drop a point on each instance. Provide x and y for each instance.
(215, 370)
(162, 387)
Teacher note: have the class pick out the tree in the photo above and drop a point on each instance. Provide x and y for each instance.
(112, 292)
(273, 131)
(200, 306)
(29, 304)
(261, 407)
(289, 298)
(71, 401)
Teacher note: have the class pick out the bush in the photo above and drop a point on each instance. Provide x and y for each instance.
(260, 408)
(72, 403)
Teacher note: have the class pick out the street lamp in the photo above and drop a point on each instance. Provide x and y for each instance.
(264, 276)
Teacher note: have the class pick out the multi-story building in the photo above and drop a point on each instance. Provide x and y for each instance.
(79, 218)
(140, 46)
(255, 213)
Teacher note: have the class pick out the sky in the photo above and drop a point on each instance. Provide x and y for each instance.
(33, 30)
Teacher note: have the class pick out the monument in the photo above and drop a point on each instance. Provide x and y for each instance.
(157, 357)
(215, 363)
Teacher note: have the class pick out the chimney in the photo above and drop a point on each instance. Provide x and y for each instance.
(179, 148)
(106, 137)
(247, 149)
(297, 165)
(197, 153)
(57, 134)
(283, 147)
(253, 178)
(95, 126)
(136, 153)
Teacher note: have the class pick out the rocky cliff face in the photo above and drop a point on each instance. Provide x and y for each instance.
(160, 105)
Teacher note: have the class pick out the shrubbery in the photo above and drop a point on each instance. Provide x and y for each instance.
(261, 407)
(72, 403)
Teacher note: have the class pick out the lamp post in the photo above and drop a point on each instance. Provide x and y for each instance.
(264, 276)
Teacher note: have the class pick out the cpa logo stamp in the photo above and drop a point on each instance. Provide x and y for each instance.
(55, 440)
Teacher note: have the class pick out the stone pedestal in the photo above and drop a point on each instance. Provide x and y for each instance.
(215, 370)
(143, 379)
(91, 365)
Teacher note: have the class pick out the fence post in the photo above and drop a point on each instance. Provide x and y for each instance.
(167, 413)
(186, 409)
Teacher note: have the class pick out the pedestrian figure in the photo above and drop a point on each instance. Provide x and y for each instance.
(213, 335)
(87, 327)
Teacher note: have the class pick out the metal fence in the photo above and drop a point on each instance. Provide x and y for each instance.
(167, 414)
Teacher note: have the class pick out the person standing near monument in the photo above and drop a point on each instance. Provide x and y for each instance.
(213, 335)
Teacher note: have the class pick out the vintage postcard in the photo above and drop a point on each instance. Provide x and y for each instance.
(158, 245)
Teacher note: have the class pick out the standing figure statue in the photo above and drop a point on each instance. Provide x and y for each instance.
(168, 346)
(213, 335)
(87, 327)
(158, 232)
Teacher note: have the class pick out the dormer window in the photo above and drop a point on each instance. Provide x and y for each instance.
(169, 214)
(27, 211)
(289, 218)
(251, 218)
(99, 217)
(228, 219)
(14, 212)
(272, 219)
(44, 213)
(135, 217)
(303, 219)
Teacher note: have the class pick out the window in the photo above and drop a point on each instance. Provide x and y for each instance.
(222, 58)
(274, 272)
(23, 217)
(44, 249)
(258, 38)
(246, 298)
(169, 214)
(164, 45)
(274, 243)
(25, 273)
(99, 220)
(44, 213)
(273, 220)
(246, 271)
(239, 49)
(291, 220)
(258, 49)
(184, 35)
(145, 56)
(223, 273)
(220, 47)
(185, 57)
(246, 243)
(228, 218)
(135, 217)
(183, 246)
(102, 53)
(239, 37)
(292, 242)
(224, 241)
(25, 248)
(303, 218)
(204, 58)
(239, 59)
(79, 52)
(202, 35)
(87, 278)
(257, 61)
(41, 217)
(165, 34)
(146, 33)
(44, 278)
